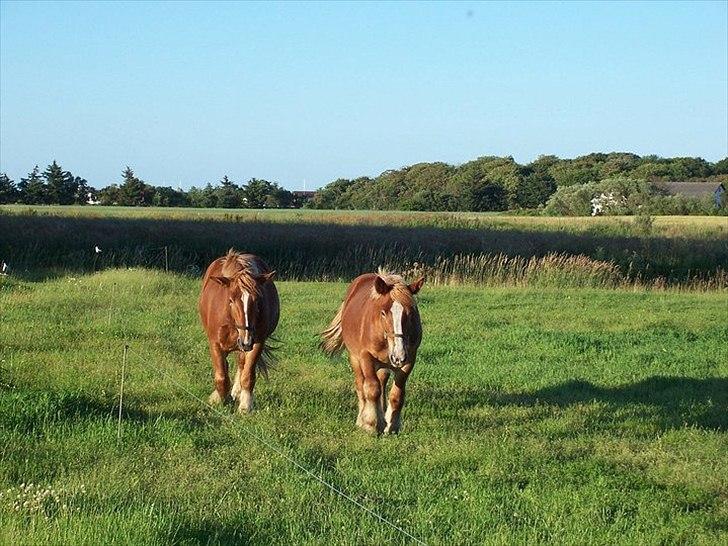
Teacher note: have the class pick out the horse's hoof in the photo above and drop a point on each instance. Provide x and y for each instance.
(370, 429)
(214, 399)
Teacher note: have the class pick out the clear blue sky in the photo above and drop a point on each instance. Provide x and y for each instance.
(187, 92)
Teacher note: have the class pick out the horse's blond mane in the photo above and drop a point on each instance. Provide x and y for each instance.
(243, 268)
(400, 291)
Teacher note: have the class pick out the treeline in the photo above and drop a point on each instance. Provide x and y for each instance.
(55, 186)
(621, 183)
(499, 183)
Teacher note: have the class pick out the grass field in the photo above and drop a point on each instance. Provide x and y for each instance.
(533, 415)
(451, 248)
(663, 225)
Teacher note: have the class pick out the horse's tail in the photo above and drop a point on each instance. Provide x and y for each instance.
(267, 359)
(331, 340)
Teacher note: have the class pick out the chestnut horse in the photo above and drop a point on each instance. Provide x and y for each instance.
(239, 309)
(380, 327)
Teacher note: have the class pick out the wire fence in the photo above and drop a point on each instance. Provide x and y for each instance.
(130, 356)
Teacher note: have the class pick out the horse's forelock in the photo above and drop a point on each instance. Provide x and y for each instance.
(400, 292)
(244, 270)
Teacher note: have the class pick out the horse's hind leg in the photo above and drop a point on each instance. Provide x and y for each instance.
(246, 376)
(220, 372)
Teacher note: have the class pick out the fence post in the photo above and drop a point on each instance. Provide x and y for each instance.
(121, 393)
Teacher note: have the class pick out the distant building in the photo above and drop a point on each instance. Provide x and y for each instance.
(697, 190)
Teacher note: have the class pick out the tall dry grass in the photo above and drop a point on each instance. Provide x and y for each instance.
(605, 257)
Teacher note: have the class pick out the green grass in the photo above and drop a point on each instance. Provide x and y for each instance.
(533, 415)
(663, 225)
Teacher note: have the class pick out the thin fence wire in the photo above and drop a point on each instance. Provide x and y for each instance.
(258, 438)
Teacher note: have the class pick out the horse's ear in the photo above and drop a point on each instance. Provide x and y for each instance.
(415, 286)
(265, 277)
(224, 281)
(381, 286)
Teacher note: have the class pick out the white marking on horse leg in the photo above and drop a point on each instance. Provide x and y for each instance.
(247, 401)
(236, 385)
(369, 416)
(393, 422)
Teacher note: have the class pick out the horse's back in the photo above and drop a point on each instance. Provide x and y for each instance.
(359, 291)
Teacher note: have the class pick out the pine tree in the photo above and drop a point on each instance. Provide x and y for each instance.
(228, 194)
(60, 185)
(133, 192)
(8, 191)
(32, 189)
(209, 197)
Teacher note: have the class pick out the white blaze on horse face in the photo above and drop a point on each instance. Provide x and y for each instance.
(246, 301)
(398, 352)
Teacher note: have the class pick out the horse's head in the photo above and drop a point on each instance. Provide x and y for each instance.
(244, 294)
(398, 315)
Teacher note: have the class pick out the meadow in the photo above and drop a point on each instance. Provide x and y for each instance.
(572, 385)
(534, 415)
(450, 248)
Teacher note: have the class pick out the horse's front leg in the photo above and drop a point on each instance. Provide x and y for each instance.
(220, 374)
(245, 378)
(383, 376)
(396, 401)
(372, 418)
(359, 387)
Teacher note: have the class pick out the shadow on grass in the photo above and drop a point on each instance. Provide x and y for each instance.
(31, 411)
(325, 251)
(217, 532)
(678, 401)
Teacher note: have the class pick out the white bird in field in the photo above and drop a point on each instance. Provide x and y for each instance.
(97, 249)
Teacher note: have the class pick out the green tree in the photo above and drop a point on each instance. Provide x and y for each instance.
(8, 191)
(110, 195)
(229, 195)
(83, 190)
(329, 196)
(60, 185)
(209, 197)
(721, 167)
(256, 191)
(195, 197)
(133, 192)
(32, 189)
(535, 190)
(166, 196)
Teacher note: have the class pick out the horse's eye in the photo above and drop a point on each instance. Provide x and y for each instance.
(384, 313)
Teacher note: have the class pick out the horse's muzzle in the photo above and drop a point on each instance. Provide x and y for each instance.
(245, 347)
(396, 361)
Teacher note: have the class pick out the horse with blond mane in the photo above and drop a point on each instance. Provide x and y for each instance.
(379, 325)
(239, 309)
